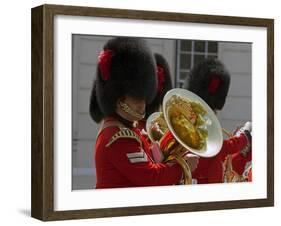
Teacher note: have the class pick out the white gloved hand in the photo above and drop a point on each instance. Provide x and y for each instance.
(192, 161)
(247, 130)
(247, 126)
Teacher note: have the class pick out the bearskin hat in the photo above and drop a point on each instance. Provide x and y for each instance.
(95, 111)
(210, 80)
(126, 66)
(163, 86)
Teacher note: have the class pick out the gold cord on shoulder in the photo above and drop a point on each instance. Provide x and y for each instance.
(123, 133)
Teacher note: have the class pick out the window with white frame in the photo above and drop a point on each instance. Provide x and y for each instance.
(189, 53)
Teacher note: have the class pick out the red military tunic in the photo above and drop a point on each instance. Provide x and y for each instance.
(210, 170)
(123, 159)
(142, 124)
(241, 164)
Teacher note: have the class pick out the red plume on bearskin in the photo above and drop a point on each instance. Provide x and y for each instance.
(214, 84)
(104, 63)
(210, 80)
(160, 78)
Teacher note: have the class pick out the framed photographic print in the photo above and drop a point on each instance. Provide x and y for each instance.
(76, 52)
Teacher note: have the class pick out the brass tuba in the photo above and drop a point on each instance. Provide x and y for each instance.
(186, 125)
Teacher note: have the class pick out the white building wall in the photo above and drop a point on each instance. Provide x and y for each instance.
(237, 57)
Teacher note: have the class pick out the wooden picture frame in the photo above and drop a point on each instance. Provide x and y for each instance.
(42, 205)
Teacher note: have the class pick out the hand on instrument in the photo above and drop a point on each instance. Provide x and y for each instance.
(156, 152)
(247, 130)
(192, 161)
(156, 132)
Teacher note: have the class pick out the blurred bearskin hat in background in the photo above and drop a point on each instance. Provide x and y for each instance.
(126, 66)
(210, 80)
(164, 84)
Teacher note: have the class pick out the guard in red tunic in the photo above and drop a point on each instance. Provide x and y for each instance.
(241, 161)
(125, 82)
(210, 80)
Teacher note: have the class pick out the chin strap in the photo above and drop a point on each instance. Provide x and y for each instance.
(128, 113)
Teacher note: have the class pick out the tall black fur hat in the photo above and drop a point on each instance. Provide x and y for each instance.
(95, 111)
(125, 67)
(164, 84)
(210, 80)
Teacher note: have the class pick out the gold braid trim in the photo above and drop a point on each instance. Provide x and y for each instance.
(123, 133)
(125, 107)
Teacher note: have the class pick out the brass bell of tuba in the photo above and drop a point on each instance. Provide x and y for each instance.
(186, 125)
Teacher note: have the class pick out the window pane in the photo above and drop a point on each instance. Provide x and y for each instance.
(185, 60)
(183, 75)
(199, 46)
(185, 45)
(212, 47)
(198, 58)
(212, 56)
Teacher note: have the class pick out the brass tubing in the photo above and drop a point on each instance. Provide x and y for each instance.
(186, 170)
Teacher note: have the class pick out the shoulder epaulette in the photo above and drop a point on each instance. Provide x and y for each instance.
(123, 133)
